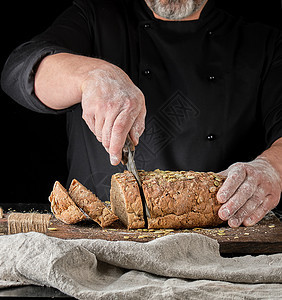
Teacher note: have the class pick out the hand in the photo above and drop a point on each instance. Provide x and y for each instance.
(249, 192)
(113, 107)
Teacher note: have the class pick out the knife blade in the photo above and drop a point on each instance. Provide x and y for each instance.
(128, 153)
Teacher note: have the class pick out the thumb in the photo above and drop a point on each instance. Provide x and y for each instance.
(223, 173)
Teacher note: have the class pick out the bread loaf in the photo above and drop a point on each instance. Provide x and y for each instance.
(183, 199)
(63, 207)
(91, 205)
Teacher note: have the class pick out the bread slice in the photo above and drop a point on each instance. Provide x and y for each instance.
(126, 201)
(91, 205)
(182, 199)
(62, 206)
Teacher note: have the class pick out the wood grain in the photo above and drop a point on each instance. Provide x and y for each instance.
(263, 238)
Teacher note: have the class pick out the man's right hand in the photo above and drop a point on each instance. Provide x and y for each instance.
(113, 107)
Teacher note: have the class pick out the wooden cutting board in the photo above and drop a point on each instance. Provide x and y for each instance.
(263, 238)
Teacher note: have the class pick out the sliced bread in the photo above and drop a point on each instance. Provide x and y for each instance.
(91, 204)
(63, 207)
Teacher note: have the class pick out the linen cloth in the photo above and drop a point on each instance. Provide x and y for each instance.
(178, 266)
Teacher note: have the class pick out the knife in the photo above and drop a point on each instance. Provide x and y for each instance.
(128, 152)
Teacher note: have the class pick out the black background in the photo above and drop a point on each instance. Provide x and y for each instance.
(34, 145)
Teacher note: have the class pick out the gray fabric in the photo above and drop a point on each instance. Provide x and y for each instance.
(179, 266)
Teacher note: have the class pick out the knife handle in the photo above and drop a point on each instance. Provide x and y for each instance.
(128, 145)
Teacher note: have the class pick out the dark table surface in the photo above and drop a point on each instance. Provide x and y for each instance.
(32, 291)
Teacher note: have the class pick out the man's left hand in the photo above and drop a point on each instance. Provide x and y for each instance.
(250, 191)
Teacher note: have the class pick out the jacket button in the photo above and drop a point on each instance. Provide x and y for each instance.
(146, 26)
(211, 137)
(147, 72)
(211, 78)
(210, 33)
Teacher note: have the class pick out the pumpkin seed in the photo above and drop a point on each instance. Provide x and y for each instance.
(142, 236)
(212, 189)
(159, 231)
(196, 229)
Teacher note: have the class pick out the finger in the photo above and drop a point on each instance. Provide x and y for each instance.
(138, 128)
(247, 209)
(260, 212)
(88, 112)
(121, 127)
(242, 194)
(107, 128)
(90, 121)
(236, 176)
(99, 123)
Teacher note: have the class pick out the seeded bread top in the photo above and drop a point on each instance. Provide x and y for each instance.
(180, 192)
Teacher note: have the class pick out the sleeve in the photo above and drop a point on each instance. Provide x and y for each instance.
(271, 95)
(70, 33)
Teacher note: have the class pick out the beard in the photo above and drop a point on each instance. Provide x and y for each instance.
(175, 9)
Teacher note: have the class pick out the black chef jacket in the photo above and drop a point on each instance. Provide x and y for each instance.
(213, 86)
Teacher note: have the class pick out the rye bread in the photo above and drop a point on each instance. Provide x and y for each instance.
(183, 199)
(63, 207)
(91, 204)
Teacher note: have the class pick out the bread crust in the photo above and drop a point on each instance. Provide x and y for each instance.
(181, 199)
(126, 200)
(63, 207)
(91, 204)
